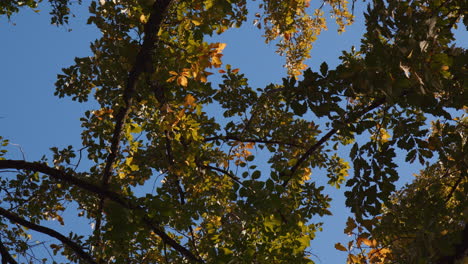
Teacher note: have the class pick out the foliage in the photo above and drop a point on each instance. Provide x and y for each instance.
(424, 222)
(149, 74)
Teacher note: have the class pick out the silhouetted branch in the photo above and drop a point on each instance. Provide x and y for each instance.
(6, 256)
(50, 232)
(327, 136)
(113, 196)
(142, 64)
(225, 172)
(143, 60)
(454, 187)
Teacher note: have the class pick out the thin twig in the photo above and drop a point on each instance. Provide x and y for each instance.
(252, 140)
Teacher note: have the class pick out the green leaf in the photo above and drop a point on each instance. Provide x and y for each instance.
(256, 174)
(324, 69)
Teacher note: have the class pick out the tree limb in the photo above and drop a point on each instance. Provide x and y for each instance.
(50, 232)
(113, 196)
(454, 188)
(6, 256)
(327, 136)
(143, 59)
(225, 172)
(142, 63)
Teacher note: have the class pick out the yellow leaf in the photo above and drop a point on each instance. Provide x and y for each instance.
(340, 247)
(216, 60)
(196, 22)
(365, 241)
(353, 258)
(185, 72)
(385, 135)
(182, 81)
(306, 175)
(385, 251)
(173, 73)
(143, 19)
(171, 79)
(220, 47)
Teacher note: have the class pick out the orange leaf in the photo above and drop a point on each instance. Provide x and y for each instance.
(190, 100)
(222, 71)
(350, 225)
(235, 70)
(340, 247)
(185, 72)
(182, 81)
(353, 258)
(220, 47)
(216, 60)
(203, 78)
(365, 241)
(171, 79)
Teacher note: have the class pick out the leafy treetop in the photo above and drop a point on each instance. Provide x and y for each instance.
(149, 74)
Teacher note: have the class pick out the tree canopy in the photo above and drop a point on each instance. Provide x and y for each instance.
(404, 92)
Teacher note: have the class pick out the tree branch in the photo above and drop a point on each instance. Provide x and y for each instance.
(142, 64)
(225, 172)
(454, 188)
(113, 196)
(253, 140)
(143, 60)
(326, 137)
(6, 256)
(50, 232)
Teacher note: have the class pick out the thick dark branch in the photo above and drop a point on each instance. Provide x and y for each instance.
(326, 137)
(6, 256)
(142, 63)
(50, 232)
(253, 140)
(63, 177)
(125, 203)
(171, 242)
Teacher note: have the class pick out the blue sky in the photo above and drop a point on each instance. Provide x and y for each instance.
(33, 52)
